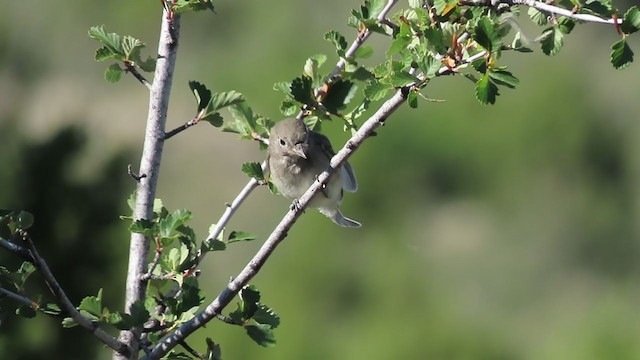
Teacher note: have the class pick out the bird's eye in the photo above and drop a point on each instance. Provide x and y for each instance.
(282, 142)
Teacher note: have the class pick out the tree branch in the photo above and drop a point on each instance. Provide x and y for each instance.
(132, 69)
(65, 303)
(17, 298)
(280, 232)
(16, 249)
(150, 167)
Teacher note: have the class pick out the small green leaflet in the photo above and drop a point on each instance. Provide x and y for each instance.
(253, 169)
(621, 54)
(631, 21)
(338, 41)
(486, 90)
(552, 41)
(240, 236)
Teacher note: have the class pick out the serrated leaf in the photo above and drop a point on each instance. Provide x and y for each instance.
(111, 41)
(250, 297)
(283, 86)
(242, 122)
(143, 226)
(266, 315)
(213, 350)
(599, 7)
(214, 119)
(169, 226)
(92, 304)
(302, 91)
(402, 39)
(338, 41)
(272, 188)
(486, 35)
(503, 77)
(240, 236)
(213, 245)
(403, 78)
(262, 334)
(224, 99)
(566, 24)
(376, 91)
(621, 54)
(486, 91)
(631, 21)
(113, 73)
(537, 16)
(253, 169)
(201, 93)
(340, 93)
(552, 42)
(288, 107)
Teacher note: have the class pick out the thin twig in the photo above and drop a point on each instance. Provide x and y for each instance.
(181, 128)
(65, 303)
(16, 249)
(191, 350)
(132, 69)
(18, 298)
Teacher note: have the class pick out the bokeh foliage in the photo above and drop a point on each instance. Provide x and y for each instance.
(507, 232)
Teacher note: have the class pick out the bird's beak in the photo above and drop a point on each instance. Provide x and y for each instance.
(300, 150)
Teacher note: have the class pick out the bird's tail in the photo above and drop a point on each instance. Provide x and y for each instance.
(336, 216)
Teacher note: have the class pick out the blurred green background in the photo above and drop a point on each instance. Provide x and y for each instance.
(501, 232)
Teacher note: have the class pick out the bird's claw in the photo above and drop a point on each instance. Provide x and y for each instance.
(295, 205)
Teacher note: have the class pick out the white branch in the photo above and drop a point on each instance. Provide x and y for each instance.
(561, 11)
(150, 167)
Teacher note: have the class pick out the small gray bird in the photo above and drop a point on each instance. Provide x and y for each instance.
(295, 158)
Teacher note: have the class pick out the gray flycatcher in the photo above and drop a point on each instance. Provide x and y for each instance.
(295, 158)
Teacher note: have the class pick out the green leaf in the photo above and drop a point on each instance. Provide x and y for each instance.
(250, 297)
(169, 226)
(240, 236)
(284, 87)
(486, 35)
(412, 99)
(253, 169)
(517, 44)
(224, 99)
(68, 323)
(113, 73)
(262, 334)
(402, 39)
(92, 305)
(214, 119)
(600, 7)
(503, 77)
(213, 245)
(537, 16)
(50, 309)
(302, 90)
(403, 78)
(180, 6)
(143, 226)
(566, 24)
(430, 66)
(375, 91)
(486, 91)
(243, 122)
(112, 43)
(364, 52)
(201, 93)
(139, 313)
(631, 21)
(213, 350)
(552, 42)
(340, 93)
(338, 41)
(24, 220)
(265, 315)
(621, 54)
(312, 66)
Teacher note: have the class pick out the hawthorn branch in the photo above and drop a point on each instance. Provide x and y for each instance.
(150, 166)
(542, 6)
(65, 303)
(18, 298)
(16, 249)
(281, 230)
(131, 68)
